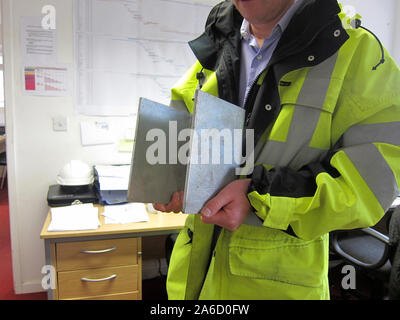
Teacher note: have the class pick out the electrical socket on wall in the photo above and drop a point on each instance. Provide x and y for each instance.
(60, 124)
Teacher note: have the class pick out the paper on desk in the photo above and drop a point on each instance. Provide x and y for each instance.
(113, 177)
(112, 171)
(74, 218)
(114, 183)
(125, 213)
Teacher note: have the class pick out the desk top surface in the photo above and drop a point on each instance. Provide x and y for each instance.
(157, 222)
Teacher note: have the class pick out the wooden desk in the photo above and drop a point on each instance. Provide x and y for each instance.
(105, 263)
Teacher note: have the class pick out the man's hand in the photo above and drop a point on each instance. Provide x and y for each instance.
(175, 205)
(230, 207)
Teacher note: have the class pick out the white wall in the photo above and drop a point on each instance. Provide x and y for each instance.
(396, 34)
(377, 16)
(36, 153)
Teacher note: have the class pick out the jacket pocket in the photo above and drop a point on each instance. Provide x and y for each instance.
(264, 253)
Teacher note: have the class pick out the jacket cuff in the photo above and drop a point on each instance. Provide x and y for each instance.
(276, 212)
(274, 193)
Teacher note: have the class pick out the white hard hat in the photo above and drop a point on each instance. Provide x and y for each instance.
(75, 173)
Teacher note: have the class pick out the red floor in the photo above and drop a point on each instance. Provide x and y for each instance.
(6, 275)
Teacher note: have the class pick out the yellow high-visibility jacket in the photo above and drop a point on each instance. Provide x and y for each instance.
(326, 155)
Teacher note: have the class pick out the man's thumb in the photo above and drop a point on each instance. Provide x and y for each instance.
(213, 206)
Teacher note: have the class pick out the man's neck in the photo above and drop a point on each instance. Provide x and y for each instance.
(262, 31)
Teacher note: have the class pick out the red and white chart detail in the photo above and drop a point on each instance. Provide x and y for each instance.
(47, 81)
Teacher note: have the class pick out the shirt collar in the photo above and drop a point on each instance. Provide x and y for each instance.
(280, 26)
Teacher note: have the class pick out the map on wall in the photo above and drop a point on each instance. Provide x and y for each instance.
(127, 49)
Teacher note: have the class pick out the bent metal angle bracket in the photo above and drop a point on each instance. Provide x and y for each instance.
(163, 164)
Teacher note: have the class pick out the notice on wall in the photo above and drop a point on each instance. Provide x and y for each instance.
(42, 74)
(95, 133)
(38, 45)
(47, 81)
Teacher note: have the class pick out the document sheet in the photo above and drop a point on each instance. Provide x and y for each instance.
(125, 213)
(126, 49)
(74, 218)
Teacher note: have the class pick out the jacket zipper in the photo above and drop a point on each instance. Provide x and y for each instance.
(246, 98)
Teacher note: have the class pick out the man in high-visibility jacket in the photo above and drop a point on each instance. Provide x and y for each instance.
(323, 99)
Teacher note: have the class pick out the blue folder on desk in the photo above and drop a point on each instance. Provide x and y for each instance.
(109, 197)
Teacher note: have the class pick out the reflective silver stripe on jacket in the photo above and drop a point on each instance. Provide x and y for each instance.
(375, 171)
(317, 83)
(368, 133)
(296, 152)
(277, 153)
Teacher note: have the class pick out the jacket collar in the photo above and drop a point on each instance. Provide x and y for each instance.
(224, 23)
(311, 31)
(222, 27)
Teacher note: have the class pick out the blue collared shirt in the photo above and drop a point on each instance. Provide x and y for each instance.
(254, 59)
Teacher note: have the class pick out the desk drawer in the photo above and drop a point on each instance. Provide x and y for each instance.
(118, 296)
(97, 253)
(97, 282)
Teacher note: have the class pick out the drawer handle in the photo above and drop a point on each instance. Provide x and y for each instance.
(97, 251)
(99, 280)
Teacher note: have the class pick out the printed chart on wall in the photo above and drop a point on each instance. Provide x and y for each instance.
(49, 81)
(42, 74)
(127, 49)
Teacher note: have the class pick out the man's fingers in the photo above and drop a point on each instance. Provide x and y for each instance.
(160, 207)
(214, 205)
(212, 219)
(228, 208)
(176, 202)
(175, 205)
(222, 219)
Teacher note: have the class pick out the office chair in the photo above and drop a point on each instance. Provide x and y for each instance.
(370, 252)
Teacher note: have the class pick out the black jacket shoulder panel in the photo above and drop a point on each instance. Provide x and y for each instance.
(205, 51)
(222, 27)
